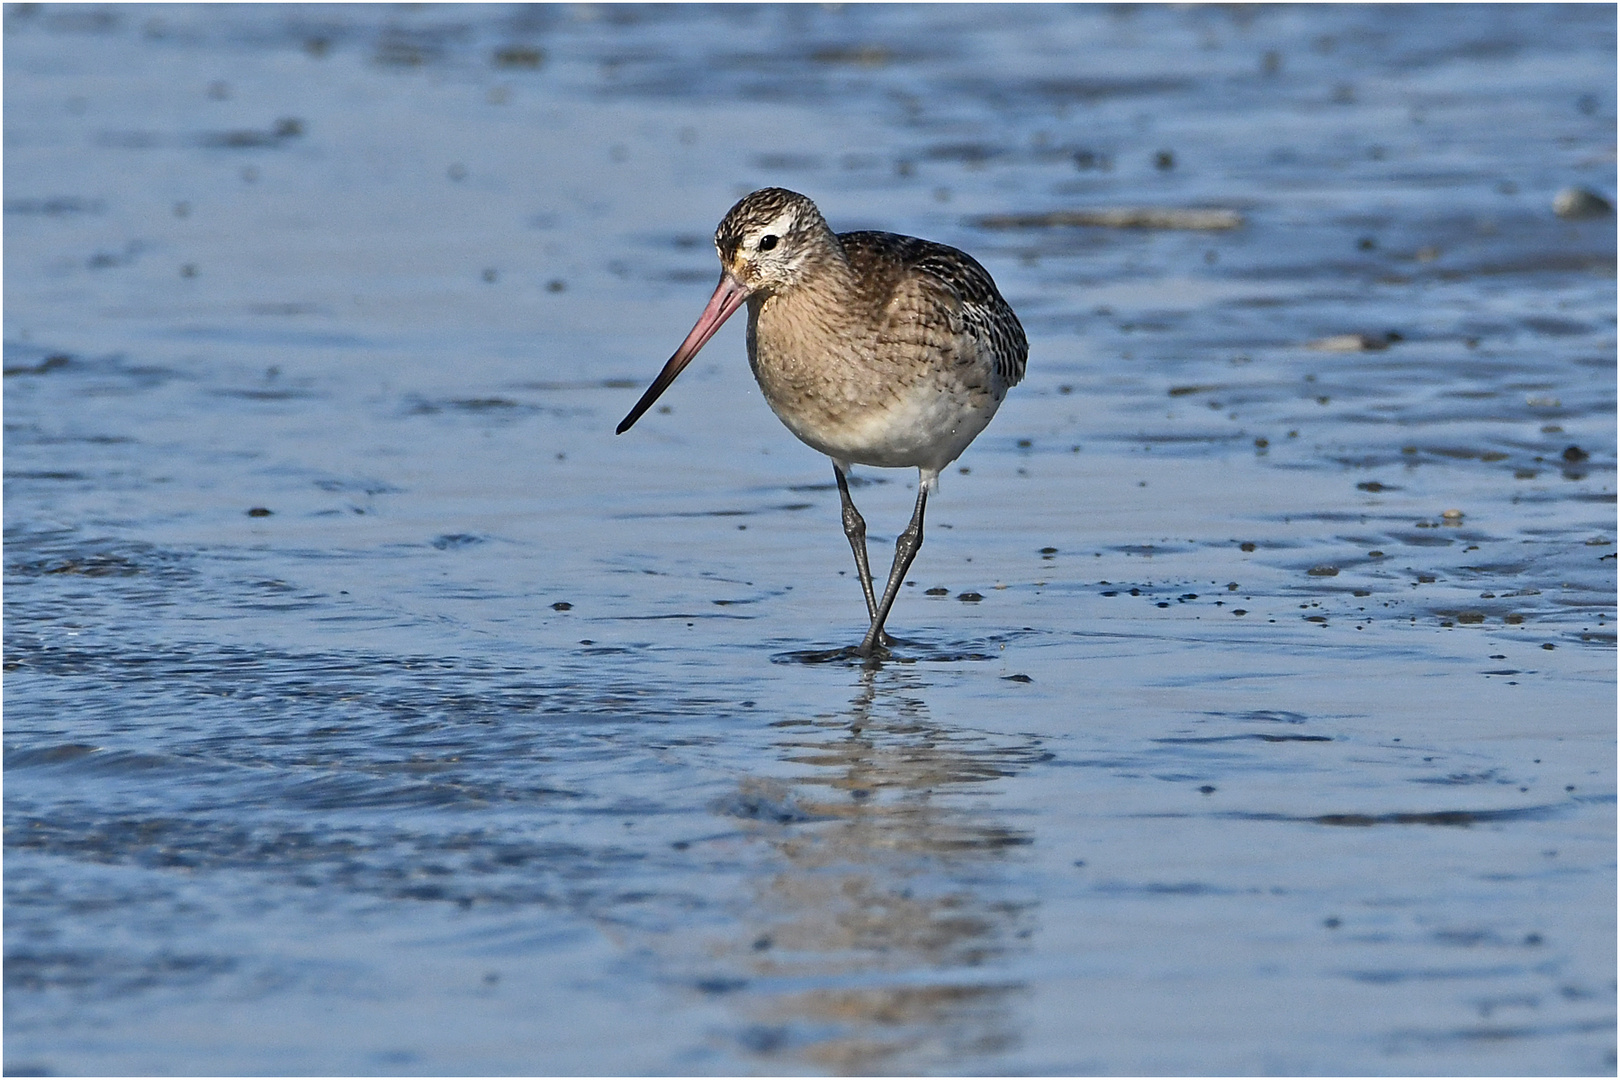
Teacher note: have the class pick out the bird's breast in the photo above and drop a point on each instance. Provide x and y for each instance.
(859, 395)
(815, 373)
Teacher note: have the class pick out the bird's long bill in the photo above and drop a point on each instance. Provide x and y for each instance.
(728, 297)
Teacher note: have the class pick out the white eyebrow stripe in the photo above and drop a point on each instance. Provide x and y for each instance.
(779, 224)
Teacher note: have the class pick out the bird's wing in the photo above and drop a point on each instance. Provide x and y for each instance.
(985, 315)
(951, 288)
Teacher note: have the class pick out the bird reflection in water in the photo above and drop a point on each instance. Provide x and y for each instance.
(880, 940)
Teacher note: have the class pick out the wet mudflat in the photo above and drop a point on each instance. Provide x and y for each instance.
(371, 708)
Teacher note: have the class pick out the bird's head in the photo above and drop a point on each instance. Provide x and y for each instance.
(767, 243)
(771, 238)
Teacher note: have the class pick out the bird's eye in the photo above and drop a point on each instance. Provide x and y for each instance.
(767, 242)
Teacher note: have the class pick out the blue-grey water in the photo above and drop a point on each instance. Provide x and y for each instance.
(371, 708)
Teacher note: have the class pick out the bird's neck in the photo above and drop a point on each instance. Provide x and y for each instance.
(825, 279)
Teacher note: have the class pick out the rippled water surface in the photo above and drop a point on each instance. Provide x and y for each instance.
(371, 708)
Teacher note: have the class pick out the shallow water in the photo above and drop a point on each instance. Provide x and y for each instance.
(371, 708)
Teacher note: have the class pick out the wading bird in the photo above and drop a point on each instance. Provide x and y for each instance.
(873, 348)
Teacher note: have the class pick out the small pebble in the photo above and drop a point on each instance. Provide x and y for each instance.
(1578, 202)
(518, 56)
(1349, 343)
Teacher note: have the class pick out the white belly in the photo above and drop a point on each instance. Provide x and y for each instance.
(925, 428)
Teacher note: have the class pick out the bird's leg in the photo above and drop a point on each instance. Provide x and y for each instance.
(906, 546)
(855, 529)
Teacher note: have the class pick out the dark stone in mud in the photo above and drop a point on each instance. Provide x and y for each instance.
(1355, 342)
(518, 56)
(938, 590)
(50, 363)
(55, 206)
(1120, 217)
(1578, 202)
(720, 985)
(1453, 818)
(259, 511)
(456, 540)
(288, 127)
(970, 597)
(562, 605)
(1575, 453)
(1017, 678)
(1323, 571)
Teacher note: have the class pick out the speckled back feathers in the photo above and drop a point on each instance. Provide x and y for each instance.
(883, 259)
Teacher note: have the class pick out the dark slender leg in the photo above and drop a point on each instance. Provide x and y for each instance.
(905, 550)
(855, 529)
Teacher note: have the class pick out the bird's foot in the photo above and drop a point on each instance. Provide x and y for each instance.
(875, 648)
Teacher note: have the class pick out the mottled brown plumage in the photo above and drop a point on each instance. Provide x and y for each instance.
(873, 348)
